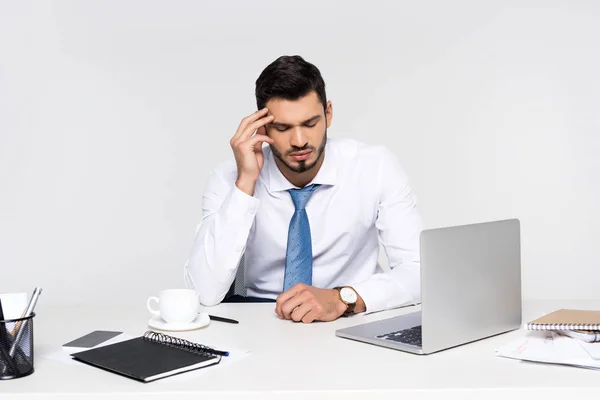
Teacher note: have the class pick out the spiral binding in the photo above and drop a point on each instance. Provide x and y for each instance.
(563, 327)
(182, 344)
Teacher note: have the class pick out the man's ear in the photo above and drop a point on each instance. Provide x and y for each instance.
(328, 113)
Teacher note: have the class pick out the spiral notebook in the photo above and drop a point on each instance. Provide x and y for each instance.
(567, 319)
(150, 357)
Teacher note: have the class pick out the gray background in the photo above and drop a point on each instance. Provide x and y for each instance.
(113, 112)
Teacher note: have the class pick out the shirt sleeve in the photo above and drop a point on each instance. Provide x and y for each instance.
(220, 241)
(399, 227)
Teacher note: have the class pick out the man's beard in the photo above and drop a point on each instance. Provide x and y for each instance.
(302, 165)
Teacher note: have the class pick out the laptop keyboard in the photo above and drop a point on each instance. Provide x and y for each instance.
(410, 336)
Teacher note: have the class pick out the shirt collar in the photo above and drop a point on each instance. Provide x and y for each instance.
(327, 174)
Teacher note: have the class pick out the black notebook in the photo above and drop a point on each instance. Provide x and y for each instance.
(150, 357)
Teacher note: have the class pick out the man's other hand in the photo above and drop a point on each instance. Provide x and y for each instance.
(307, 304)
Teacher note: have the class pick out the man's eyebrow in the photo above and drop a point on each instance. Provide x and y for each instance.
(311, 119)
(314, 118)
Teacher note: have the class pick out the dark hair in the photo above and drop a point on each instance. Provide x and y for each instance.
(289, 78)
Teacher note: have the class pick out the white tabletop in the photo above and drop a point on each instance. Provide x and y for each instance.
(291, 360)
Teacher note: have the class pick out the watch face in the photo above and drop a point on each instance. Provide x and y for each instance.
(348, 295)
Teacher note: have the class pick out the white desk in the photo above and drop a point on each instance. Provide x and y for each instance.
(296, 361)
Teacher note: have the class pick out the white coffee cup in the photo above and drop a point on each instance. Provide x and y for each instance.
(176, 306)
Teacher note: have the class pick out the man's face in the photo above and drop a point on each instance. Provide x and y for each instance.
(299, 131)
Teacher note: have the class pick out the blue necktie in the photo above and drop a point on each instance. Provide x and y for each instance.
(298, 258)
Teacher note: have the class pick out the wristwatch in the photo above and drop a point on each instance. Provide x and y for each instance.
(349, 297)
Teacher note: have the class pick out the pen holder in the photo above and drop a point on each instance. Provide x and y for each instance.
(16, 347)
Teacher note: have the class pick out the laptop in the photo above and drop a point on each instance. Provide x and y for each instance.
(470, 290)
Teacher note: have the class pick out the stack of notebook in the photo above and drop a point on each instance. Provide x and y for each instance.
(580, 324)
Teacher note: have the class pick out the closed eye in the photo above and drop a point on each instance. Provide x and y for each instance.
(309, 123)
(283, 129)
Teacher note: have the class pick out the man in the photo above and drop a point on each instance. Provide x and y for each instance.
(307, 213)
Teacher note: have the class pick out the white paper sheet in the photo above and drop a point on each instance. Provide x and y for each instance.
(235, 355)
(549, 347)
(13, 304)
(593, 349)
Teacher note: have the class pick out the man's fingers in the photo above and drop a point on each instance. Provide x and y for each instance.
(300, 312)
(310, 317)
(257, 141)
(285, 296)
(251, 126)
(289, 306)
(288, 294)
(248, 120)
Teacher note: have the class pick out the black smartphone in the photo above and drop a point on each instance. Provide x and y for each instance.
(92, 339)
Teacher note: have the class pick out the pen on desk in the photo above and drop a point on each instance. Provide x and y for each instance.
(30, 308)
(221, 319)
(219, 352)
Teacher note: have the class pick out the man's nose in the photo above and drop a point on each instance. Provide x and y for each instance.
(298, 138)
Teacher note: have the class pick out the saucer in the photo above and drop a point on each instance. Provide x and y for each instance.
(157, 322)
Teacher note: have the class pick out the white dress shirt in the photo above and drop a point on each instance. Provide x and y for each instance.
(364, 199)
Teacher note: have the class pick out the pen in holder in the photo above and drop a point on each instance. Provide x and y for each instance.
(16, 347)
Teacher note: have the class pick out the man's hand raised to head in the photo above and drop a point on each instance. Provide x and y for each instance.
(307, 304)
(247, 148)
